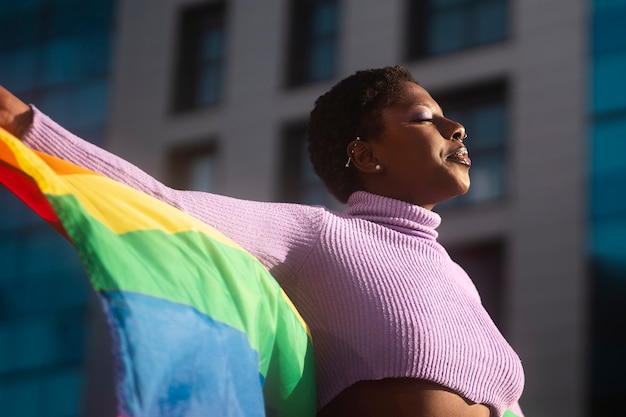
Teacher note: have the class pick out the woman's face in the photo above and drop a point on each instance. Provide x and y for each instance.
(422, 163)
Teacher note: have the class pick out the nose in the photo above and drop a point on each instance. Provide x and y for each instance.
(457, 131)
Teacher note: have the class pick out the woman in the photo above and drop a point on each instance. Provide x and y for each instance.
(398, 327)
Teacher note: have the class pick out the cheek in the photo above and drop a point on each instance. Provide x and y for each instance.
(416, 157)
(431, 159)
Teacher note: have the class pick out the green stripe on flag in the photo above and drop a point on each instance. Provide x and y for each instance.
(219, 280)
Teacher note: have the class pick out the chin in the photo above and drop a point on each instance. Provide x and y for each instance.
(459, 184)
(462, 188)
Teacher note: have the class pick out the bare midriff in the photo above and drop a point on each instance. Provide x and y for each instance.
(401, 397)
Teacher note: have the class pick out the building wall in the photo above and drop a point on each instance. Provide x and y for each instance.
(548, 222)
(542, 220)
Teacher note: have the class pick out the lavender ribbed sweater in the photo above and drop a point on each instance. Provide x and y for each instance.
(381, 296)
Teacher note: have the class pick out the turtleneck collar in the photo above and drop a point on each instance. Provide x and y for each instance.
(395, 214)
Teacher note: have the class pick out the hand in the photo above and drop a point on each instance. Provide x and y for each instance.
(15, 115)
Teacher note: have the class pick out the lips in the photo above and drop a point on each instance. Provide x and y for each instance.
(460, 156)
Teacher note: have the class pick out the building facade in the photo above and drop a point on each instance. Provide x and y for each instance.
(214, 95)
(517, 78)
(57, 54)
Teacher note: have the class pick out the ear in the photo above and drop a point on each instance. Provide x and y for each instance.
(362, 157)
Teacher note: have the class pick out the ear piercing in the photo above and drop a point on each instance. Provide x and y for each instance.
(377, 167)
(347, 165)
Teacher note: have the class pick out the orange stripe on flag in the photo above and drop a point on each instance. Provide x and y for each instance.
(6, 155)
(62, 167)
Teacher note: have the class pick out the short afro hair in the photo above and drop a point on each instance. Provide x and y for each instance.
(351, 109)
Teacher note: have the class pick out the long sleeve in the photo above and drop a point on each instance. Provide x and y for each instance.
(272, 232)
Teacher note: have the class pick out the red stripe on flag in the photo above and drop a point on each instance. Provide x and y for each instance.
(26, 190)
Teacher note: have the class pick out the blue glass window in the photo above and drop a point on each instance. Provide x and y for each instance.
(53, 389)
(18, 28)
(201, 56)
(298, 181)
(20, 398)
(483, 111)
(607, 253)
(606, 159)
(324, 23)
(11, 209)
(314, 38)
(55, 54)
(10, 265)
(45, 396)
(210, 66)
(608, 29)
(608, 169)
(485, 263)
(192, 165)
(15, 7)
(201, 172)
(20, 68)
(445, 26)
(61, 62)
(609, 92)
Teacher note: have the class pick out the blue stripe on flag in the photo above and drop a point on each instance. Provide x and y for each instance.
(175, 361)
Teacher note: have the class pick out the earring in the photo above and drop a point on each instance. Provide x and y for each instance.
(347, 165)
(378, 167)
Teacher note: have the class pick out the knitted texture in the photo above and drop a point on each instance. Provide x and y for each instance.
(381, 296)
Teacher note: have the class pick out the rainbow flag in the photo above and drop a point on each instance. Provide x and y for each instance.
(200, 328)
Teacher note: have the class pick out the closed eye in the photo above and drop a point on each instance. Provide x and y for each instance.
(421, 116)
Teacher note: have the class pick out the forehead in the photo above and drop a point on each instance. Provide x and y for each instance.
(413, 97)
(416, 95)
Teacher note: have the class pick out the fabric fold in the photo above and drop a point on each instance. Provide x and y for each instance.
(199, 326)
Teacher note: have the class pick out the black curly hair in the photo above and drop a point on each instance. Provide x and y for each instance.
(351, 109)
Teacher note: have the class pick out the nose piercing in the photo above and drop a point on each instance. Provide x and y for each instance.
(460, 139)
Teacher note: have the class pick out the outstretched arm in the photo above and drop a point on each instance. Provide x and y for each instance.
(269, 231)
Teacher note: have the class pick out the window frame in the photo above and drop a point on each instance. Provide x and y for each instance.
(194, 22)
(485, 262)
(302, 41)
(180, 156)
(422, 13)
(466, 99)
(297, 179)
